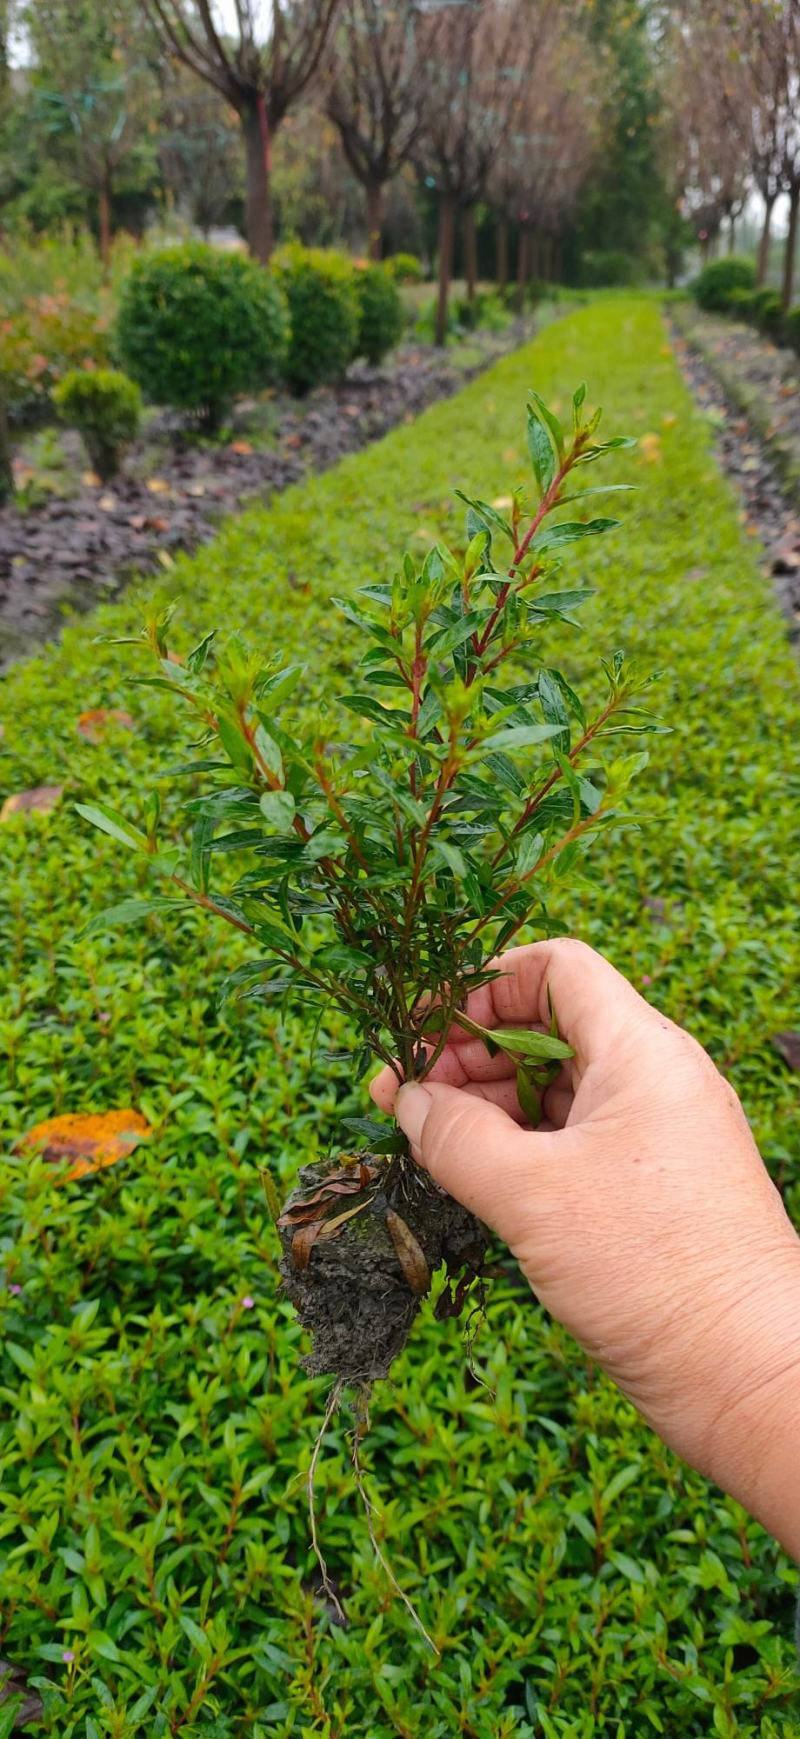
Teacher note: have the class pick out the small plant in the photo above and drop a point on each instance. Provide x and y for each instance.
(198, 327)
(713, 286)
(405, 268)
(380, 312)
(324, 310)
(382, 877)
(106, 409)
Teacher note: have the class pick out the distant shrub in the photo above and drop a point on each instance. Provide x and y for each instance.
(105, 407)
(485, 309)
(742, 304)
(791, 329)
(768, 313)
(405, 268)
(197, 327)
(608, 268)
(324, 311)
(713, 288)
(380, 312)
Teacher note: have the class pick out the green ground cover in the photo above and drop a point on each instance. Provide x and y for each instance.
(154, 1428)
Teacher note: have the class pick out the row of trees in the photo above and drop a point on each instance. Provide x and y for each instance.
(576, 126)
(732, 90)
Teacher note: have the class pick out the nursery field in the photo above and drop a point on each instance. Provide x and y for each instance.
(156, 1429)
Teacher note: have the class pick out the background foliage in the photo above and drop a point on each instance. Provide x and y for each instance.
(154, 1427)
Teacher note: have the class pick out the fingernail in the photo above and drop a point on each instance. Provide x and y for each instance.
(411, 1108)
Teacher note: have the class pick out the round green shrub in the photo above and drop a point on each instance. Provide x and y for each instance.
(405, 268)
(768, 313)
(324, 312)
(380, 312)
(713, 288)
(197, 327)
(742, 304)
(106, 408)
(608, 268)
(791, 329)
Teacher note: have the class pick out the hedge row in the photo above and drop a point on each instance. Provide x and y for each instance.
(729, 287)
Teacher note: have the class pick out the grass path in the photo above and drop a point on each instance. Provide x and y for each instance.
(579, 1580)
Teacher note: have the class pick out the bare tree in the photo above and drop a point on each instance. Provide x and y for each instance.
(375, 97)
(553, 143)
(771, 51)
(706, 90)
(478, 55)
(260, 71)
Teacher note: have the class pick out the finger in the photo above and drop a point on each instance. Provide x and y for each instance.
(593, 1001)
(476, 1152)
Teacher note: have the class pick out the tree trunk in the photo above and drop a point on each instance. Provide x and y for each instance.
(523, 263)
(790, 248)
(447, 226)
(501, 256)
(535, 255)
(705, 249)
(555, 259)
(104, 226)
(6, 471)
(763, 245)
(258, 203)
(374, 218)
(547, 259)
(470, 251)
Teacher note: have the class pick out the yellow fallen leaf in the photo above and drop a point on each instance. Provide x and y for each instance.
(90, 480)
(669, 419)
(92, 725)
(650, 448)
(157, 486)
(92, 1140)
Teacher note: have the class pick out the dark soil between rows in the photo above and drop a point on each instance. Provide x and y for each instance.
(770, 510)
(67, 554)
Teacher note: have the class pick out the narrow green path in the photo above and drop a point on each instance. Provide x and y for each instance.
(152, 1426)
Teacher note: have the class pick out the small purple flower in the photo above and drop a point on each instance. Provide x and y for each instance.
(15, 1289)
(248, 1303)
(68, 1655)
(646, 979)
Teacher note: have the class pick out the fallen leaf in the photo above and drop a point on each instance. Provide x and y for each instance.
(92, 1139)
(157, 486)
(92, 725)
(241, 447)
(90, 480)
(409, 1253)
(107, 502)
(669, 420)
(14, 1683)
(195, 488)
(650, 448)
(43, 797)
(788, 1046)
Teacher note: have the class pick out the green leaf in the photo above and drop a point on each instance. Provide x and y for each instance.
(528, 1096)
(540, 1047)
(550, 420)
(132, 912)
(111, 822)
(200, 859)
(570, 531)
(268, 750)
(540, 448)
(529, 854)
(236, 748)
(197, 1637)
(445, 640)
(451, 856)
(519, 737)
(278, 808)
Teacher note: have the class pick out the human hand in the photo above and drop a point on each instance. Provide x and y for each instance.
(640, 1212)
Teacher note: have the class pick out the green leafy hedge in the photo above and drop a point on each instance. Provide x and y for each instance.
(155, 1429)
(720, 279)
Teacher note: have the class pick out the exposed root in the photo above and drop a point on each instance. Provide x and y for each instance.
(333, 1401)
(361, 1426)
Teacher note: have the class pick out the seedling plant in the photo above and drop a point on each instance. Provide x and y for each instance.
(380, 867)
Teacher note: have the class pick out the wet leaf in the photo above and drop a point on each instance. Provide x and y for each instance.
(92, 1140)
(409, 1253)
(42, 797)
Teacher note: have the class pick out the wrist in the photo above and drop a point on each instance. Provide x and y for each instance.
(754, 1439)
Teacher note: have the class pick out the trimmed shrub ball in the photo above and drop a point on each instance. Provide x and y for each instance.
(324, 313)
(105, 407)
(380, 305)
(197, 327)
(713, 287)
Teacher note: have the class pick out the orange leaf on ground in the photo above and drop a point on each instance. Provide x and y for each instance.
(91, 1139)
(241, 446)
(42, 797)
(92, 725)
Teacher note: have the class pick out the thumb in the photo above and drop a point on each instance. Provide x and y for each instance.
(474, 1150)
